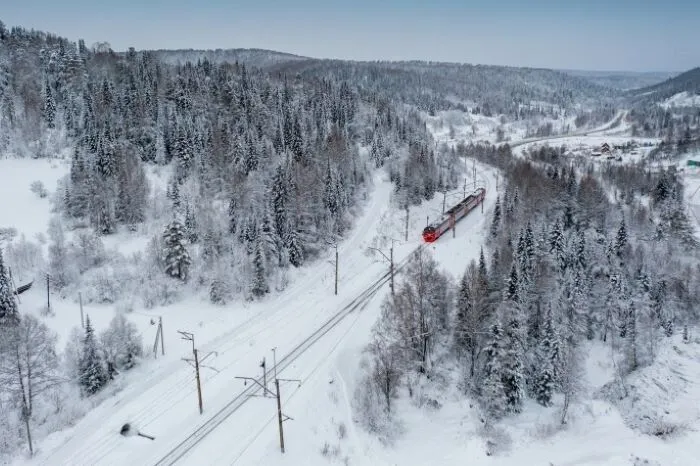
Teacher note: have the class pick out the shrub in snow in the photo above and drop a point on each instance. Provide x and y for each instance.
(25, 258)
(122, 345)
(87, 250)
(37, 187)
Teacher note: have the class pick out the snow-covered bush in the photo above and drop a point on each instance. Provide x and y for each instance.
(38, 188)
(25, 258)
(121, 344)
(87, 250)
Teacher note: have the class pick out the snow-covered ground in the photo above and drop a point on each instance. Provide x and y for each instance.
(159, 398)
(682, 99)
(586, 145)
(20, 208)
(455, 125)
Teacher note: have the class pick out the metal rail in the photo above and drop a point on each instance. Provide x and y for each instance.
(181, 449)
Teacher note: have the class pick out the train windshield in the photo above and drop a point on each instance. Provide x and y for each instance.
(429, 229)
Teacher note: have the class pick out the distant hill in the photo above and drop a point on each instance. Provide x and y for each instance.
(623, 80)
(688, 82)
(259, 58)
(431, 86)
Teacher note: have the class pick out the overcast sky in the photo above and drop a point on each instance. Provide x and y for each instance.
(641, 35)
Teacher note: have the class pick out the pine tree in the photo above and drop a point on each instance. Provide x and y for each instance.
(621, 239)
(512, 285)
(92, 373)
(233, 214)
(9, 314)
(496, 222)
(631, 338)
(546, 355)
(330, 198)
(191, 225)
(294, 248)
(492, 389)
(464, 311)
(513, 367)
(175, 256)
(49, 106)
(260, 287)
(557, 246)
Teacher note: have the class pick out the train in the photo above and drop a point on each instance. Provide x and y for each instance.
(436, 229)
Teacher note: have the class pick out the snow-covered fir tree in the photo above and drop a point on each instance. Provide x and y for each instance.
(9, 314)
(91, 367)
(175, 256)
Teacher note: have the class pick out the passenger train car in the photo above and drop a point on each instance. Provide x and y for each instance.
(436, 229)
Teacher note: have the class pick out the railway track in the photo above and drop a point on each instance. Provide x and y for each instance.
(191, 441)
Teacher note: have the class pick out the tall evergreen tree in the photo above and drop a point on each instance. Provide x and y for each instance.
(259, 286)
(175, 256)
(492, 389)
(545, 378)
(49, 106)
(92, 372)
(621, 239)
(9, 314)
(496, 222)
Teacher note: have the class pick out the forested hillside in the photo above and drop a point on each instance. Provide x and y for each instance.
(247, 151)
(678, 123)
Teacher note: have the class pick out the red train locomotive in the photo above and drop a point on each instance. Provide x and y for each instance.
(436, 229)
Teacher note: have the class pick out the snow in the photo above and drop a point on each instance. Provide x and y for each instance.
(159, 397)
(682, 99)
(20, 208)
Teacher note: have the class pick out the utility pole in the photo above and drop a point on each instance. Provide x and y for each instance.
(80, 301)
(274, 360)
(333, 242)
(48, 295)
(407, 208)
(390, 259)
(474, 169)
(190, 337)
(281, 417)
(454, 225)
(160, 332)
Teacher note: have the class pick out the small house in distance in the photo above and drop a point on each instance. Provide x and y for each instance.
(605, 149)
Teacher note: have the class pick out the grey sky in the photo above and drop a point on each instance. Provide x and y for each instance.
(615, 35)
